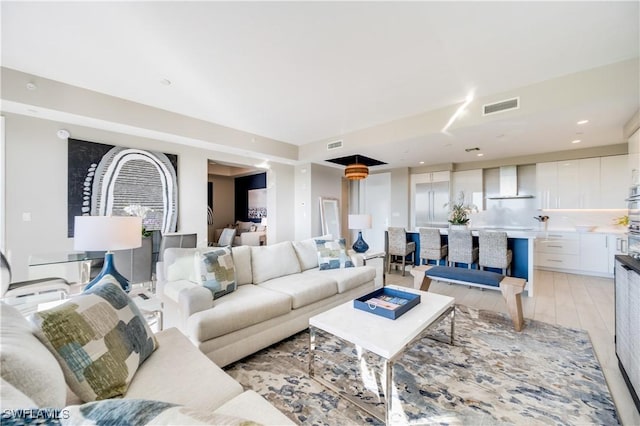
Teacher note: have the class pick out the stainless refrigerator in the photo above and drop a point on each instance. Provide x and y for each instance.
(430, 204)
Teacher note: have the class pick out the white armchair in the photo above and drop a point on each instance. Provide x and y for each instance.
(256, 238)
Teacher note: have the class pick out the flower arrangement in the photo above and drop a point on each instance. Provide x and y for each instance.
(141, 212)
(459, 213)
(621, 221)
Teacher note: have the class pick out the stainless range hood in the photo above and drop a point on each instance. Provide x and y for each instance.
(509, 184)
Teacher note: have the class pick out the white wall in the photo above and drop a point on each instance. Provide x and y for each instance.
(325, 182)
(223, 200)
(280, 203)
(36, 184)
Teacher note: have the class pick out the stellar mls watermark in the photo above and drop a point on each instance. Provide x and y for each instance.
(35, 414)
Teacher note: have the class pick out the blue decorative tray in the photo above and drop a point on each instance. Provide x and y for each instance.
(387, 302)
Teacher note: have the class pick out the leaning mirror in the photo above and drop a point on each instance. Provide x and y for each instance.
(330, 216)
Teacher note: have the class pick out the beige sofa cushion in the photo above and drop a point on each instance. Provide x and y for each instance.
(304, 290)
(277, 260)
(178, 264)
(347, 278)
(179, 373)
(242, 260)
(248, 305)
(307, 253)
(27, 364)
(12, 399)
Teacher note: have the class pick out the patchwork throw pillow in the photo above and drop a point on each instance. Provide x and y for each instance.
(144, 412)
(332, 254)
(217, 271)
(99, 338)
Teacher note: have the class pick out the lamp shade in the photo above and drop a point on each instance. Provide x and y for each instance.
(359, 221)
(356, 171)
(97, 233)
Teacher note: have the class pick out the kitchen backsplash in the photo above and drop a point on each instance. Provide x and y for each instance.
(521, 213)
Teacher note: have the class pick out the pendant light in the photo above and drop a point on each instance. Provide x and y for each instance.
(356, 171)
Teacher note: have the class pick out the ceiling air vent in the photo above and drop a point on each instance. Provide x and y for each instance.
(501, 106)
(334, 145)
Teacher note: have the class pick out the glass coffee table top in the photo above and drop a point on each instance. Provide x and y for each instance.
(64, 257)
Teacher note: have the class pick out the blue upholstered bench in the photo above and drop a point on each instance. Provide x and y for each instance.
(511, 287)
(466, 276)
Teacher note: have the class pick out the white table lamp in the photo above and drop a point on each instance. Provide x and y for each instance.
(97, 233)
(360, 222)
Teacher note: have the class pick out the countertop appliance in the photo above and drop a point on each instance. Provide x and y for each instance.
(634, 222)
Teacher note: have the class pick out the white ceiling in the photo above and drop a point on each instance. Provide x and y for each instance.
(307, 72)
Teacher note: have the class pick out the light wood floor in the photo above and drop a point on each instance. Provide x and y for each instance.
(576, 301)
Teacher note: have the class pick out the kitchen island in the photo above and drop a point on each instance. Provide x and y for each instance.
(521, 243)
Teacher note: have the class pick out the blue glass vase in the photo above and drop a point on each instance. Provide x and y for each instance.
(360, 246)
(109, 268)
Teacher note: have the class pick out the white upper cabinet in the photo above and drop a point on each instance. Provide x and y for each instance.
(590, 183)
(546, 185)
(615, 181)
(634, 158)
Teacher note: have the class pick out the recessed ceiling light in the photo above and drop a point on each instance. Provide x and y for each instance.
(422, 162)
(480, 154)
(583, 121)
(31, 86)
(576, 141)
(165, 82)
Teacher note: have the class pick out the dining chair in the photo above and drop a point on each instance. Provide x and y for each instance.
(226, 238)
(494, 252)
(399, 248)
(461, 248)
(176, 240)
(431, 247)
(29, 287)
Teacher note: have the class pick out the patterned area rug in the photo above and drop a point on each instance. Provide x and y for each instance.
(547, 374)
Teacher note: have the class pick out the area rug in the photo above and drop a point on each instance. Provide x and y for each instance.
(547, 374)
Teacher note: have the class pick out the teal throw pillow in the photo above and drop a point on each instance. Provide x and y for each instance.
(99, 338)
(141, 412)
(217, 271)
(332, 254)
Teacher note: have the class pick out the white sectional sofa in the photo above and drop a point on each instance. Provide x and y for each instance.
(176, 373)
(279, 287)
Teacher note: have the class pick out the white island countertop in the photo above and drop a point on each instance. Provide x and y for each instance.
(522, 232)
(512, 232)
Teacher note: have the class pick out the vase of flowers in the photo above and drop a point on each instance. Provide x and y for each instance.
(459, 212)
(141, 212)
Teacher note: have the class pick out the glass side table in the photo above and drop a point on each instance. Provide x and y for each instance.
(149, 304)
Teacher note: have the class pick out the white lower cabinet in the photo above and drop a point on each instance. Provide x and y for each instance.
(557, 251)
(594, 253)
(588, 253)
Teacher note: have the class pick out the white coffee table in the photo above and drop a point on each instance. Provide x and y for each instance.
(385, 337)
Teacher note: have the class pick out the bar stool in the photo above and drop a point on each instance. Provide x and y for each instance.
(400, 247)
(461, 249)
(431, 247)
(494, 252)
